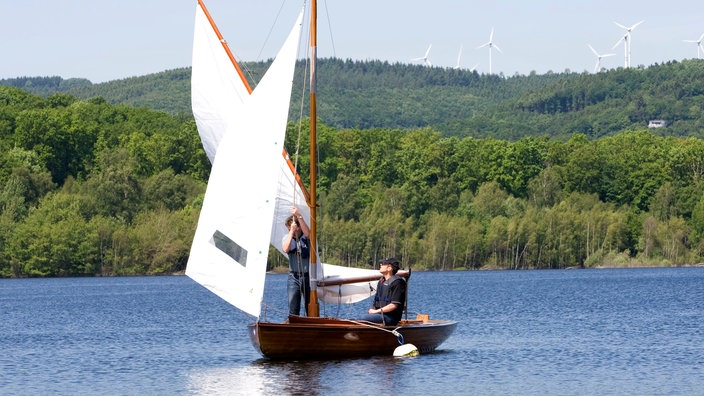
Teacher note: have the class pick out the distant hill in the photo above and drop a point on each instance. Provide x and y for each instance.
(369, 94)
(168, 90)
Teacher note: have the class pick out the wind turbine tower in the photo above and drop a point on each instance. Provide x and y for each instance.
(597, 67)
(626, 42)
(491, 46)
(700, 47)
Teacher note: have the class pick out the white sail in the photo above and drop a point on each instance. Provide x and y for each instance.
(217, 90)
(351, 292)
(220, 102)
(229, 251)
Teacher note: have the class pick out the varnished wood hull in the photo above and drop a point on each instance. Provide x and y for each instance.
(323, 338)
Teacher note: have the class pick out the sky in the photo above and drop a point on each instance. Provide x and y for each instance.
(105, 40)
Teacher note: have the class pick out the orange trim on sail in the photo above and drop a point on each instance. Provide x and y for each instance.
(249, 89)
(225, 46)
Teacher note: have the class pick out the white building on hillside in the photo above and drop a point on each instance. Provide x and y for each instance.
(657, 124)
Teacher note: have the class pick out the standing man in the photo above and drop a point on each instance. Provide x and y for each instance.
(390, 297)
(295, 243)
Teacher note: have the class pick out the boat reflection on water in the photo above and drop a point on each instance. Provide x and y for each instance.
(250, 380)
(268, 377)
(262, 377)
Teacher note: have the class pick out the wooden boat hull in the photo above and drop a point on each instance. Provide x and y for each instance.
(314, 338)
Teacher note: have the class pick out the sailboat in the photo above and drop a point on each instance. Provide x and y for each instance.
(252, 185)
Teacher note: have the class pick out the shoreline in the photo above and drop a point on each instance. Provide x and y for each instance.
(284, 270)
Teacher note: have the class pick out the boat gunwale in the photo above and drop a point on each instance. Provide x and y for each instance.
(318, 322)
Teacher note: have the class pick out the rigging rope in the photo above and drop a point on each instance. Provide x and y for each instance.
(271, 29)
(332, 40)
(395, 332)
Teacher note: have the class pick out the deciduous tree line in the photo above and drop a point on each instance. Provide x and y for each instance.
(90, 188)
(446, 203)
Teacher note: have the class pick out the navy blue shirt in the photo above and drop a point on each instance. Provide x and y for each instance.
(389, 291)
(298, 261)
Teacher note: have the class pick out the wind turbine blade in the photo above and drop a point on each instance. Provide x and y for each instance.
(491, 35)
(695, 41)
(621, 26)
(593, 50)
(428, 50)
(459, 56)
(619, 42)
(634, 26)
(605, 55)
(484, 45)
(497, 48)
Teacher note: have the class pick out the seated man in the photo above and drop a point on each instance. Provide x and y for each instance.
(390, 297)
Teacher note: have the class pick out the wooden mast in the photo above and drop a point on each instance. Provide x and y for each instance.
(313, 309)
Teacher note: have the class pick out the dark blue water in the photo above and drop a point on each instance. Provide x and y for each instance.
(571, 332)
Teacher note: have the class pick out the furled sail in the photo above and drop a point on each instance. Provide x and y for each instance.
(229, 251)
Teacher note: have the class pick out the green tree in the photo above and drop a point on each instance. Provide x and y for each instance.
(419, 163)
(54, 240)
(160, 242)
(168, 190)
(698, 219)
(546, 188)
(114, 186)
(635, 168)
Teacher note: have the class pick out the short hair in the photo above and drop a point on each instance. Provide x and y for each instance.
(289, 220)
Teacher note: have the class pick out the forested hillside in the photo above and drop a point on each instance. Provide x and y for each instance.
(374, 94)
(93, 188)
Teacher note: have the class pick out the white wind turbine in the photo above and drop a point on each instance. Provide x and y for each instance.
(700, 47)
(491, 45)
(626, 42)
(597, 67)
(424, 58)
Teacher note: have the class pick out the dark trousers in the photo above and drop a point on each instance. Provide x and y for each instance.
(380, 318)
(298, 287)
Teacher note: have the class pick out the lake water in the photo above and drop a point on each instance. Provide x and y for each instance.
(569, 332)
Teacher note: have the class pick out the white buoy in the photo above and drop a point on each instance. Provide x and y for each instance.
(406, 350)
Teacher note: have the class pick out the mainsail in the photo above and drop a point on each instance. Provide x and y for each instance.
(231, 244)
